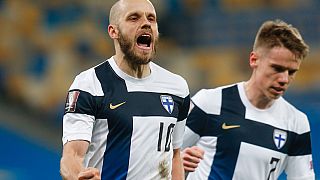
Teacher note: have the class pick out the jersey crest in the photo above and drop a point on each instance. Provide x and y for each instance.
(167, 103)
(279, 138)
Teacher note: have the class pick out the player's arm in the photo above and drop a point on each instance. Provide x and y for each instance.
(299, 164)
(178, 132)
(191, 154)
(177, 167)
(71, 164)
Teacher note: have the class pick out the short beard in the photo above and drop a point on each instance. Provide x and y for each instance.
(135, 61)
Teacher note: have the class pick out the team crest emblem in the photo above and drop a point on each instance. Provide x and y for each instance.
(72, 101)
(279, 138)
(167, 102)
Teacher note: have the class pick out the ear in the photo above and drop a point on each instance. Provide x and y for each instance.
(253, 59)
(113, 31)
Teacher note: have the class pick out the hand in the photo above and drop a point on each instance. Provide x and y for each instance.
(191, 157)
(89, 174)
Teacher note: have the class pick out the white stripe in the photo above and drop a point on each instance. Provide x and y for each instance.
(94, 157)
(208, 144)
(77, 127)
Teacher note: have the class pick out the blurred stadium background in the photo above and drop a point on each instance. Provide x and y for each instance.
(44, 44)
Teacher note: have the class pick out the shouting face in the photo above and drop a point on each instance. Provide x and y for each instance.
(136, 31)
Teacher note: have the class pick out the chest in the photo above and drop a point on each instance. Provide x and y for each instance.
(122, 108)
(232, 131)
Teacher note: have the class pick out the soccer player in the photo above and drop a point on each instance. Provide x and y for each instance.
(248, 130)
(125, 118)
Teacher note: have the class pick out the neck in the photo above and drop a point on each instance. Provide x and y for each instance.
(137, 71)
(256, 96)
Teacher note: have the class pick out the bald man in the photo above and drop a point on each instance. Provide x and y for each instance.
(125, 118)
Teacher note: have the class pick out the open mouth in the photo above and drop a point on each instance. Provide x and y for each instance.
(278, 90)
(144, 41)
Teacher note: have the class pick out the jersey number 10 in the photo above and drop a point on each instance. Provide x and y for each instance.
(167, 138)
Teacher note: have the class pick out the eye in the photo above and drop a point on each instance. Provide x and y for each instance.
(133, 17)
(292, 72)
(151, 18)
(278, 68)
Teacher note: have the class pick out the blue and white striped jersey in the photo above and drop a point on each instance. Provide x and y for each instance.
(243, 142)
(132, 124)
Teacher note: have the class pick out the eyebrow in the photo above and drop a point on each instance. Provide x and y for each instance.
(132, 14)
(137, 13)
(283, 67)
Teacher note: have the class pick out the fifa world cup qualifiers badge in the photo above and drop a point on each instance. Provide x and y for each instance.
(72, 101)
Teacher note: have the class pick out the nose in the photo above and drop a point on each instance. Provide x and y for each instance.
(284, 78)
(146, 22)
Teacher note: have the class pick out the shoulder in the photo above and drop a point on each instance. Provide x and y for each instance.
(88, 81)
(177, 83)
(209, 100)
(299, 120)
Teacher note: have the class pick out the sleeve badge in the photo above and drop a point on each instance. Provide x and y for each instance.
(72, 101)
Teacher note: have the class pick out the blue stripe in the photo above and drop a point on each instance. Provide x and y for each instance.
(301, 144)
(184, 109)
(116, 156)
(86, 103)
(228, 143)
(198, 121)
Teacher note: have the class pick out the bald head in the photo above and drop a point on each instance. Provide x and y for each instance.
(119, 8)
(114, 13)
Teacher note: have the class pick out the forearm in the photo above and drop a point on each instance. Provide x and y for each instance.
(71, 163)
(177, 167)
(70, 167)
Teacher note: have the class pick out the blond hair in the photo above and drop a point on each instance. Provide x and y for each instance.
(280, 34)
